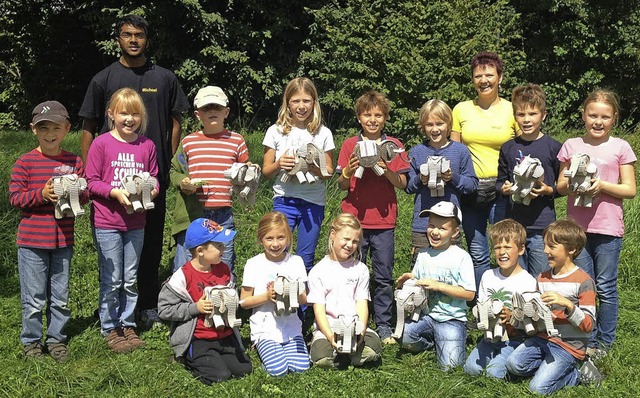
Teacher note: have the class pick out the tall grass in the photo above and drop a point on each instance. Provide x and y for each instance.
(94, 371)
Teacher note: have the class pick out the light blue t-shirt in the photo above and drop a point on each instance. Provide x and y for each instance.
(452, 266)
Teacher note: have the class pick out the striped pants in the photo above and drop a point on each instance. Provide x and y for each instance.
(278, 359)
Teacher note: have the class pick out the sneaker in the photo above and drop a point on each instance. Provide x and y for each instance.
(117, 342)
(33, 350)
(596, 354)
(132, 337)
(589, 373)
(149, 318)
(389, 341)
(58, 351)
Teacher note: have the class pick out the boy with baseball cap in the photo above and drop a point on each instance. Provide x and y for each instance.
(203, 191)
(44, 256)
(446, 271)
(211, 354)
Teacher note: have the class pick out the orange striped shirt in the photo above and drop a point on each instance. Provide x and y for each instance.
(208, 156)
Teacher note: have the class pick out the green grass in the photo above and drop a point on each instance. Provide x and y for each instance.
(94, 371)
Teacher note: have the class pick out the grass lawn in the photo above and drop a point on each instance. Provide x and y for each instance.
(95, 371)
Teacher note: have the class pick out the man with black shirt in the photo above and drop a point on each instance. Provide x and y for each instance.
(165, 102)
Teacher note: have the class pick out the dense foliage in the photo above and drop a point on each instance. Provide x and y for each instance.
(411, 49)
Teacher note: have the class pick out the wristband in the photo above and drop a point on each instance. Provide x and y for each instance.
(344, 175)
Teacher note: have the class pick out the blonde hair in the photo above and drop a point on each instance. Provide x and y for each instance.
(566, 233)
(438, 108)
(606, 97)
(345, 220)
(128, 99)
(271, 221)
(508, 230)
(370, 100)
(285, 118)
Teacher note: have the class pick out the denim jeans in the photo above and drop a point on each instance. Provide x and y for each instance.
(534, 260)
(447, 337)
(600, 260)
(307, 217)
(224, 217)
(552, 366)
(474, 225)
(44, 280)
(490, 357)
(118, 257)
(380, 243)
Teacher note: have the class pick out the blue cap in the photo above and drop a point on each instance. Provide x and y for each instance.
(203, 231)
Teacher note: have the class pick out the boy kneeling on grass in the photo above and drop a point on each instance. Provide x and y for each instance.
(211, 354)
(570, 293)
(446, 271)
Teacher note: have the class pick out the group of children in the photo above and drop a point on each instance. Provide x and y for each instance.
(337, 287)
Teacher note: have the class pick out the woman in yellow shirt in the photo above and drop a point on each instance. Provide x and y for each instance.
(483, 125)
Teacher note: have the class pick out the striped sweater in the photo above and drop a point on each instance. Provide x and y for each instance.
(207, 157)
(575, 327)
(38, 228)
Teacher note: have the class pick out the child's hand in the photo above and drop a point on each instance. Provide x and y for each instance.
(505, 315)
(286, 161)
(382, 165)
(154, 193)
(255, 164)
(121, 195)
(403, 278)
(430, 284)
(506, 188)
(553, 298)
(596, 187)
(271, 294)
(541, 189)
(48, 193)
(447, 175)
(187, 187)
(350, 168)
(205, 306)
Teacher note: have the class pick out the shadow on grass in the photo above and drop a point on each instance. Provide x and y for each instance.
(79, 325)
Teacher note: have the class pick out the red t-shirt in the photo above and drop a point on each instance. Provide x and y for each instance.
(196, 282)
(372, 198)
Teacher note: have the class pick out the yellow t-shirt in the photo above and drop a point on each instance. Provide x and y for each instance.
(484, 132)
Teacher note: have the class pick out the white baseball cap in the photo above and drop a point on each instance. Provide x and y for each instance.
(210, 95)
(444, 209)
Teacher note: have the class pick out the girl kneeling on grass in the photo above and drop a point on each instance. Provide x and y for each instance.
(119, 236)
(277, 337)
(339, 287)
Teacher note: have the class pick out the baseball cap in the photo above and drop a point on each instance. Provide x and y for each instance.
(210, 95)
(52, 111)
(203, 231)
(444, 209)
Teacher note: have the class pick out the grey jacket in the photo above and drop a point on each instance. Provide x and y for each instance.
(175, 305)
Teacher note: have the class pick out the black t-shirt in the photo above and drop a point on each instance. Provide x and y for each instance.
(162, 95)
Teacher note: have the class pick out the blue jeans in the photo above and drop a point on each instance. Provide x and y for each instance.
(534, 260)
(552, 367)
(380, 243)
(224, 217)
(447, 337)
(118, 257)
(474, 225)
(600, 260)
(44, 280)
(490, 357)
(307, 217)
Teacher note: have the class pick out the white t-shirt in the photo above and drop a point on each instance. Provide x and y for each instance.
(452, 266)
(338, 286)
(493, 281)
(297, 137)
(258, 272)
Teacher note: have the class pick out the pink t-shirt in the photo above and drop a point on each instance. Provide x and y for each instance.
(338, 286)
(605, 216)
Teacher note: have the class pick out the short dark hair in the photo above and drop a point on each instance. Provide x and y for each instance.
(529, 94)
(133, 20)
(487, 58)
(568, 233)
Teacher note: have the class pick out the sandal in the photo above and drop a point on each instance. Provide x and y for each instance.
(58, 352)
(33, 350)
